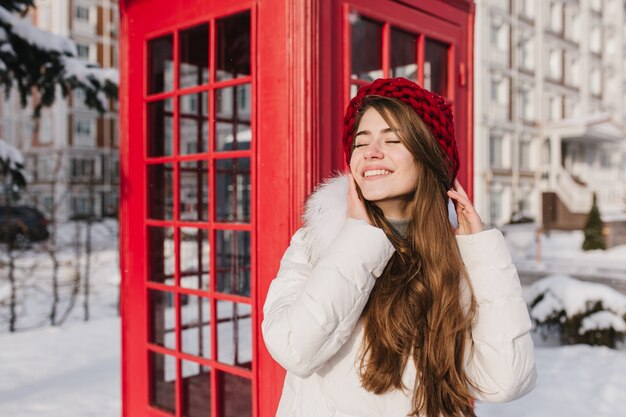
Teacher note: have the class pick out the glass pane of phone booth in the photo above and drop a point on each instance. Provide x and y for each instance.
(381, 49)
(199, 227)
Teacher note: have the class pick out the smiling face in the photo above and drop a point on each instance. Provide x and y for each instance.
(382, 166)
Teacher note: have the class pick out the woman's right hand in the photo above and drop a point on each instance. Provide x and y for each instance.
(356, 207)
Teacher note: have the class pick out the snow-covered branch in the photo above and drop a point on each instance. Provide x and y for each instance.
(32, 59)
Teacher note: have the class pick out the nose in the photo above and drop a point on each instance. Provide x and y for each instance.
(373, 151)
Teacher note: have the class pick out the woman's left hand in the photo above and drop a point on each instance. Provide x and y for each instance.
(468, 218)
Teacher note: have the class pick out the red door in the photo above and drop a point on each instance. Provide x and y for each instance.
(188, 243)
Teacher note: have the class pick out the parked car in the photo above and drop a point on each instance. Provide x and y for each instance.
(22, 222)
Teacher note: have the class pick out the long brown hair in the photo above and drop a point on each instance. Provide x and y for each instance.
(415, 311)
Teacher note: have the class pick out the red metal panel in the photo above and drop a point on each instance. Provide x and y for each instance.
(275, 161)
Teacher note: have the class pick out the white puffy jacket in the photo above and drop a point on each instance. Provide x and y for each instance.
(312, 329)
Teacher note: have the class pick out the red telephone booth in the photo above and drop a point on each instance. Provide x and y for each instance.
(231, 112)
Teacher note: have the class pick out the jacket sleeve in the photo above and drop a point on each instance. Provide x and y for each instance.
(311, 310)
(500, 361)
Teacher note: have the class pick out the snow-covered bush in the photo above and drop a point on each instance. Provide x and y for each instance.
(581, 312)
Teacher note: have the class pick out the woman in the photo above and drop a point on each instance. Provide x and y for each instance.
(383, 305)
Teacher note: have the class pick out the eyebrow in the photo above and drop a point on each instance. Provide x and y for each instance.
(367, 132)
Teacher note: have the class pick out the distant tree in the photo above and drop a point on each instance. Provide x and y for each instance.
(36, 62)
(594, 238)
(13, 179)
(12, 175)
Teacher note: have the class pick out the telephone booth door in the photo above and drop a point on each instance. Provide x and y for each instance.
(188, 214)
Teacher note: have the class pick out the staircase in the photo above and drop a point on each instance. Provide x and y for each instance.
(566, 205)
(577, 197)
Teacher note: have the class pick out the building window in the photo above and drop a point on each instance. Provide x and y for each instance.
(115, 134)
(526, 53)
(243, 100)
(571, 23)
(78, 97)
(526, 8)
(572, 106)
(595, 40)
(523, 207)
(83, 127)
(110, 203)
(575, 26)
(82, 167)
(83, 132)
(555, 64)
(605, 159)
(524, 155)
(44, 128)
(28, 128)
(555, 108)
(596, 81)
(596, 5)
(496, 151)
(572, 70)
(495, 206)
(82, 50)
(556, 16)
(81, 206)
(500, 97)
(82, 13)
(527, 110)
(47, 205)
(500, 90)
(115, 167)
(494, 90)
(611, 43)
(45, 169)
(500, 34)
(189, 104)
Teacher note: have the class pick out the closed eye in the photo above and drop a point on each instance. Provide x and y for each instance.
(387, 141)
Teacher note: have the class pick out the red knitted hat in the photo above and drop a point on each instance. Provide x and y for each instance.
(431, 108)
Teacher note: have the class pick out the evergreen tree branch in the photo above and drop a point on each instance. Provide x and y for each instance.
(37, 62)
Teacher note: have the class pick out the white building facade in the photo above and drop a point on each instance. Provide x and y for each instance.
(550, 110)
(71, 152)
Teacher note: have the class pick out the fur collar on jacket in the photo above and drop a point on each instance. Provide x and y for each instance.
(326, 211)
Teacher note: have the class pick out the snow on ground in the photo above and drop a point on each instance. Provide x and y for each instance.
(560, 252)
(74, 370)
(574, 381)
(71, 371)
(559, 246)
